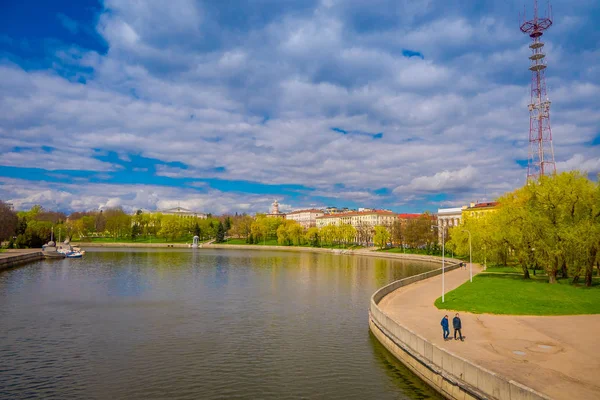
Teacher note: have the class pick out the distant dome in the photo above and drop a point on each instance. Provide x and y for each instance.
(51, 243)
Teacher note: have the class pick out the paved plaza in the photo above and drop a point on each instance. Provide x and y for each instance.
(557, 356)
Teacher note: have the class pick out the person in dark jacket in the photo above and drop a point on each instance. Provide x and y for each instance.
(457, 327)
(445, 327)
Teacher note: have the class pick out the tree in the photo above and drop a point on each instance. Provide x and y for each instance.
(220, 236)
(382, 236)
(347, 234)
(227, 223)
(312, 236)
(8, 222)
(553, 222)
(135, 231)
(170, 229)
(282, 236)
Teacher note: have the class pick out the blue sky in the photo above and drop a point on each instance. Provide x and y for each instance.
(223, 106)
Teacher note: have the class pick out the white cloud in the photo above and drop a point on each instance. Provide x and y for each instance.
(182, 85)
(580, 162)
(445, 181)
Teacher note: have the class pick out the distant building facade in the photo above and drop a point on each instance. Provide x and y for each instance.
(306, 218)
(476, 210)
(447, 218)
(363, 221)
(275, 210)
(358, 219)
(183, 212)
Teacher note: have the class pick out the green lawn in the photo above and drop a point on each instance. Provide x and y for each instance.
(509, 293)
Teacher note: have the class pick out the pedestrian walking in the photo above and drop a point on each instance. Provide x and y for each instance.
(457, 325)
(445, 327)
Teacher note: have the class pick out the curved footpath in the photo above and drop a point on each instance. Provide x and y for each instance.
(555, 356)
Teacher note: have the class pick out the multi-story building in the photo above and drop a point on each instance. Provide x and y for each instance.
(408, 217)
(478, 209)
(358, 218)
(306, 218)
(363, 221)
(183, 212)
(275, 211)
(447, 218)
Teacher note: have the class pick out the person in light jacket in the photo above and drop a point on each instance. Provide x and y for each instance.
(457, 325)
(445, 327)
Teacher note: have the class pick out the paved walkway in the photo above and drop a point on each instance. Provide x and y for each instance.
(557, 356)
(15, 252)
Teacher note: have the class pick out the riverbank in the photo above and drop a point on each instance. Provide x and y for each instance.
(368, 252)
(549, 355)
(84, 245)
(14, 258)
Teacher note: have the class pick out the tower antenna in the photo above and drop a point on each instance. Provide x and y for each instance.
(541, 151)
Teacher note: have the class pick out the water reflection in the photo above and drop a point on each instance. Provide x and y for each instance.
(198, 324)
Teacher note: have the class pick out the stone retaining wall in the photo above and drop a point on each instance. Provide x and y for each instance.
(130, 245)
(452, 376)
(12, 260)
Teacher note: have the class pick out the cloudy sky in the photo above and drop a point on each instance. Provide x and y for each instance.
(223, 106)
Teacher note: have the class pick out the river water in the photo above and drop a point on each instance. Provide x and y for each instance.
(199, 324)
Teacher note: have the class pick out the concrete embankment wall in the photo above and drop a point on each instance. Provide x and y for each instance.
(275, 248)
(452, 376)
(130, 245)
(10, 260)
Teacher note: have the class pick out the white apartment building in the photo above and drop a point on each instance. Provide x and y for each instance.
(183, 212)
(448, 217)
(306, 218)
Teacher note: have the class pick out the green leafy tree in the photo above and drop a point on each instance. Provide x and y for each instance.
(382, 236)
(220, 235)
(312, 236)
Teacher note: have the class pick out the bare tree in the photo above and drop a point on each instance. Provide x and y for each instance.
(8, 221)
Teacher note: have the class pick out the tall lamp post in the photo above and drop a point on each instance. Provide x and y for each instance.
(441, 229)
(470, 255)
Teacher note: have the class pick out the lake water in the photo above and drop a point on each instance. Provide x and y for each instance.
(203, 324)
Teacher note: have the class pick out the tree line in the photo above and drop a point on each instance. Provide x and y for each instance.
(34, 227)
(552, 225)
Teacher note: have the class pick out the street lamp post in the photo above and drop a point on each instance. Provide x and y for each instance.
(440, 228)
(470, 255)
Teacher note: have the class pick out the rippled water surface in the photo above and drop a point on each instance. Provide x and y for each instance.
(204, 324)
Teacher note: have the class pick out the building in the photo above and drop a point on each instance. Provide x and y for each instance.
(335, 210)
(183, 212)
(408, 217)
(447, 218)
(275, 211)
(363, 221)
(306, 218)
(358, 218)
(478, 209)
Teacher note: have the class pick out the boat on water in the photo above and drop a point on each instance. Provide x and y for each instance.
(51, 251)
(62, 250)
(70, 251)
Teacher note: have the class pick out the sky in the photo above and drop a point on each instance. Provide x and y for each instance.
(224, 106)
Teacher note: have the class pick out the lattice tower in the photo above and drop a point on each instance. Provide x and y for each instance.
(541, 151)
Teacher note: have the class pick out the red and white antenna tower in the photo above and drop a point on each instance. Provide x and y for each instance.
(541, 152)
